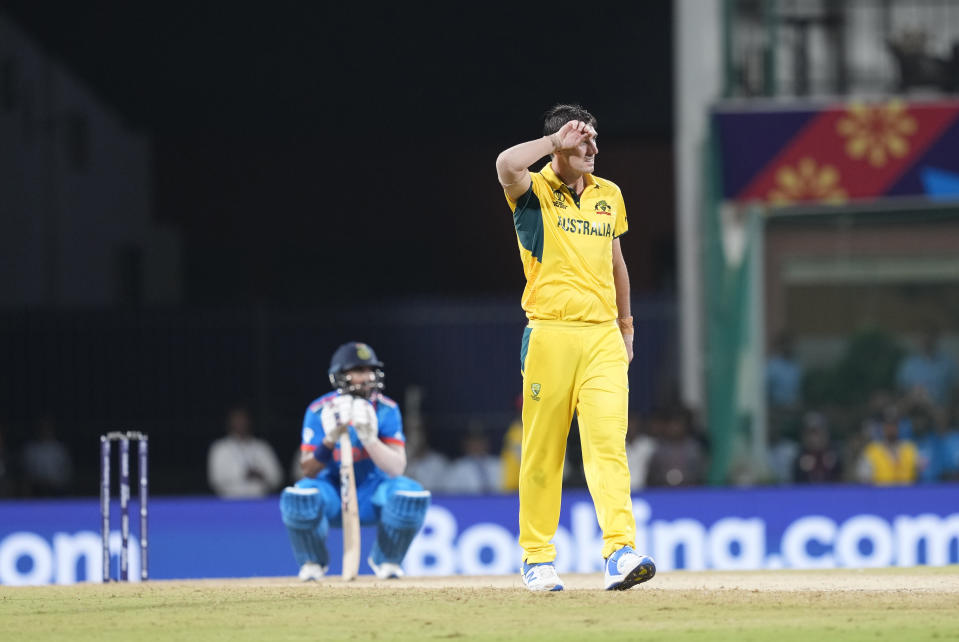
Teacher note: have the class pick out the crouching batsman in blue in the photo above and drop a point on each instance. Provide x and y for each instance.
(396, 505)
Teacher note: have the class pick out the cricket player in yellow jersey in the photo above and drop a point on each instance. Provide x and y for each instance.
(578, 344)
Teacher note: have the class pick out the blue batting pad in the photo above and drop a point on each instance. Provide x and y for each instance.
(302, 513)
(401, 518)
(301, 507)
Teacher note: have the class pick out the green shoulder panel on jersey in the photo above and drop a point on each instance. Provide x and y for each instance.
(528, 220)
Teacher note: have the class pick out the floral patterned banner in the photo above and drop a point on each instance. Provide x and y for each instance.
(839, 153)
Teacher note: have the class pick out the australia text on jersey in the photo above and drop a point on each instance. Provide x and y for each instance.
(580, 226)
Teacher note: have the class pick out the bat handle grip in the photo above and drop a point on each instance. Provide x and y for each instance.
(346, 450)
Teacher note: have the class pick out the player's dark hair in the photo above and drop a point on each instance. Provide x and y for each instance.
(558, 115)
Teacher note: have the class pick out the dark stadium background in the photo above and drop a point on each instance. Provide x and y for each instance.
(328, 167)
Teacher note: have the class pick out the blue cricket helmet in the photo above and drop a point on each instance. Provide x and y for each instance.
(348, 356)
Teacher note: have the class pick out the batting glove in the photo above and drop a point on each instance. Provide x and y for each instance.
(364, 420)
(336, 417)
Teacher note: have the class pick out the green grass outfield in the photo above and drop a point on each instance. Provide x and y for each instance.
(894, 604)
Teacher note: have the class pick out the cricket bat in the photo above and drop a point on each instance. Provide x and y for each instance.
(351, 511)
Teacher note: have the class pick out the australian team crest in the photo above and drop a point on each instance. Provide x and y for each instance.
(602, 207)
(559, 199)
(535, 389)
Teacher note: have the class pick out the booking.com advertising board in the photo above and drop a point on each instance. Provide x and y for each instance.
(46, 542)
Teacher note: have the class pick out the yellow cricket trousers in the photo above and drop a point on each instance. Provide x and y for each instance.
(571, 367)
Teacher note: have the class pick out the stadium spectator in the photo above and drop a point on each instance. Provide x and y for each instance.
(783, 379)
(423, 463)
(427, 466)
(781, 454)
(476, 472)
(937, 445)
(817, 461)
(929, 370)
(640, 445)
(45, 462)
(889, 458)
(951, 448)
(240, 465)
(678, 459)
(783, 374)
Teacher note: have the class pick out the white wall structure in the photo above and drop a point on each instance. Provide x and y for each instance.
(75, 192)
(698, 75)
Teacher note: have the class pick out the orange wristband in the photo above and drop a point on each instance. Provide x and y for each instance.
(625, 325)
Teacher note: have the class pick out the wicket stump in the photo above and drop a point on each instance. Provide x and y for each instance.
(106, 450)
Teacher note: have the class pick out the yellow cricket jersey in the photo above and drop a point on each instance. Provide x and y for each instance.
(897, 465)
(566, 245)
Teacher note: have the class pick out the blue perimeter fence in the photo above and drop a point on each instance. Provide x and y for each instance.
(58, 541)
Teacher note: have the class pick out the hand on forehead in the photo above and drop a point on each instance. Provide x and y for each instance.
(582, 127)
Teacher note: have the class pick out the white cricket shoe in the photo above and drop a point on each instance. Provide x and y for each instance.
(626, 568)
(542, 577)
(312, 572)
(386, 570)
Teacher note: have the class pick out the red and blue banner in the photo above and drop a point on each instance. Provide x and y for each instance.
(839, 153)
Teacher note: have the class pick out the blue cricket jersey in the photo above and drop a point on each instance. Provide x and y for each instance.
(390, 432)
